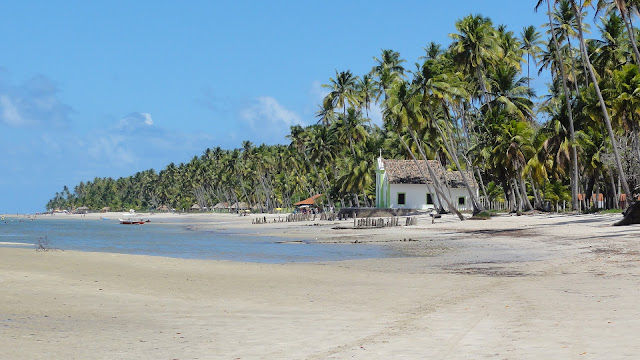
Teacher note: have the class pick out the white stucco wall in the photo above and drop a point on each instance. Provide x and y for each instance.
(416, 196)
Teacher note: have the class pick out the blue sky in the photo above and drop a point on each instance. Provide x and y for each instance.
(107, 88)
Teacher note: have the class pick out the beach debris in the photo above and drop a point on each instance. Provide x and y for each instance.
(42, 243)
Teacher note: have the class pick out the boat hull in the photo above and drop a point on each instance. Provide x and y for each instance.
(131, 222)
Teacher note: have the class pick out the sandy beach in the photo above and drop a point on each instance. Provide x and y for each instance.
(513, 287)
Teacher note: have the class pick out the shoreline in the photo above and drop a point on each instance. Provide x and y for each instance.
(513, 287)
(406, 238)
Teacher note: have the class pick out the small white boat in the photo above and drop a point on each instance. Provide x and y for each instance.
(131, 218)
(131, 221)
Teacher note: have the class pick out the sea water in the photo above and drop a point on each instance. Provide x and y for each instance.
(174, 238)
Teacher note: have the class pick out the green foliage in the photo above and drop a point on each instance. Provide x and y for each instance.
(469, 106)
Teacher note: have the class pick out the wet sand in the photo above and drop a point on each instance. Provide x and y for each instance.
(528, 287)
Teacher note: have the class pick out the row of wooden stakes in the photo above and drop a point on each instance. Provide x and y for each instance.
(383, 222)
(328, 216)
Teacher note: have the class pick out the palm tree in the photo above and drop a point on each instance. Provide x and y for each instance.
(510, 51)
(605, 113)
(625, 102)
(350, 128)
(625, 8)
(475, 48)
(531, 42)
(506, 147)
(434, 89)
(565, 88)
(325, 112)
(433, 51)
(387, 69)
(612, 51)
(401, 109)
(510, 93)
(367, 91)
(358, 177)
(343, 91)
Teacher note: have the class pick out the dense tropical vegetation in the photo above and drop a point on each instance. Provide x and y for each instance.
(469, 105)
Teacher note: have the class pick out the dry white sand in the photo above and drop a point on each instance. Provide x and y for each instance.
(528, 287)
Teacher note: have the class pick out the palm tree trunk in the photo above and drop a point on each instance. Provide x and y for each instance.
(315, 169)
(538, 200)
(516, 189)
(508, 190)
(525, 198)
(603, 106)
(242, 186)
(614, 189)
(484, 189)
(477, 207)
(573, 66)
(528, 75)
(574, 152)
(306, 183)
(436, 186)
(466, 132)
(436, 182)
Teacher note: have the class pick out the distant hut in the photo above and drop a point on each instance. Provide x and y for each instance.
(195, 207)
(163, 208)
(239, 206)
(82, 210)
(105, 209)
(221, 207)
(309, 202)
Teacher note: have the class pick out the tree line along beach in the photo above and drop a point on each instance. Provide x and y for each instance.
(505, 249)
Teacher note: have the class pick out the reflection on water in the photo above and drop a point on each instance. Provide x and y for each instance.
(173, 239)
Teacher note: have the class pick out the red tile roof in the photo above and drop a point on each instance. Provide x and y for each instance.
(309, 201)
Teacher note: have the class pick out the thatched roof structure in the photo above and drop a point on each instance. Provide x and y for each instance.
(454, 179)
(163, 208)
(195, 207)
(239, 206)
(407, 172)
(221, 205)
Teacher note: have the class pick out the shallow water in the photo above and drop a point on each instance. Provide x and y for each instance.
(179, 240)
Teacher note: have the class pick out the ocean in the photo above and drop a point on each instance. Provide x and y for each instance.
(177, 239)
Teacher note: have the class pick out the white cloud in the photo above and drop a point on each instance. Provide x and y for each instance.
(147, 118)
(10, 113)
(135, 120)
(268, 112)
(35, 102)
(267, 121)
(112, 149)
(317, 92)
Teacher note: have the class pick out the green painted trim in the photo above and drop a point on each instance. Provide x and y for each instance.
(388, 203)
